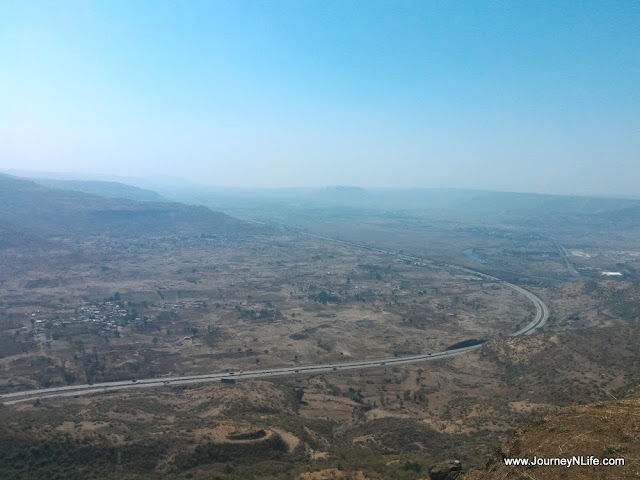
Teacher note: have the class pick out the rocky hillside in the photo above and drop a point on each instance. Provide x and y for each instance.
(602, 430)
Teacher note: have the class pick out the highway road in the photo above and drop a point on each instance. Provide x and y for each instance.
(565, 257)
(540, 317)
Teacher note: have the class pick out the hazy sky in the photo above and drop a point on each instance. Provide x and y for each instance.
(528, 96)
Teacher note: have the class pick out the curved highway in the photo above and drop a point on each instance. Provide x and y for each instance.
(541, 316)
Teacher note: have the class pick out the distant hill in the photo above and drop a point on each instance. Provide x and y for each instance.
(469, 202)
(44, 211)
(103, 189)
(12, 237)
(154, 182)
(509, 203)
(341, 195)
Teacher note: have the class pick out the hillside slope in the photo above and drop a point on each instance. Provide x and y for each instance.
(103, 189)
(602, 430)
(51, 212)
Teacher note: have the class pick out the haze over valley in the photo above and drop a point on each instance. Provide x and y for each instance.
(319, 240)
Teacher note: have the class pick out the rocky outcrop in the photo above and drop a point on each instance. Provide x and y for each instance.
(446, 471)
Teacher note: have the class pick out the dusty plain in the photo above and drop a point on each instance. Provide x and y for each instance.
(113, 308)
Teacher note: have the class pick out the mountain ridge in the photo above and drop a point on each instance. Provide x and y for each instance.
(103, 189)
(45, 211)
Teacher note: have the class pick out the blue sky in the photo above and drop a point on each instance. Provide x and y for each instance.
(536, 96)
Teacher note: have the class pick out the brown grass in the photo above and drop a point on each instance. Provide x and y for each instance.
(604, 430)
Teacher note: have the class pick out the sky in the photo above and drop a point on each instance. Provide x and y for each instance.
(536, 96)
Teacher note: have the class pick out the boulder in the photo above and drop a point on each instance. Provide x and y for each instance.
(446, 470)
